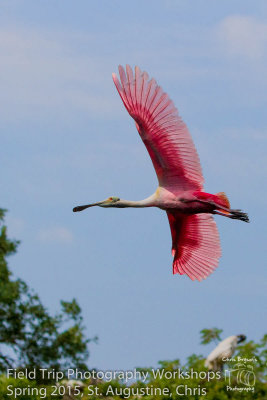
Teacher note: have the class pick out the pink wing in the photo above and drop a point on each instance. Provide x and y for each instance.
(164, 134)
(195, 244)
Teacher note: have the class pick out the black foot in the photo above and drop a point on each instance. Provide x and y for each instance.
(238, 214)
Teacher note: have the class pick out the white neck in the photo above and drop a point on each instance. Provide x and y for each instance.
(148, 202)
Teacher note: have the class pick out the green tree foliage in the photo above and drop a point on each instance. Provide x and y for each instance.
(190, 380)
(210, 335)
(29, 335)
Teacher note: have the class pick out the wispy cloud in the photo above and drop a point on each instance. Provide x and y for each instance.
(55, 234)
(15, 226)
(42, 71)
(243, 36)
(52, 72)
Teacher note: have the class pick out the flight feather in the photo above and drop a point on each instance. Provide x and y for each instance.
(163, 132)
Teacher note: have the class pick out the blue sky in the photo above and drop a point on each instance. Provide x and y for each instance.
(66, 139)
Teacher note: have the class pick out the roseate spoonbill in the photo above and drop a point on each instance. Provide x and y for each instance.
(224, 350)
(195, 239)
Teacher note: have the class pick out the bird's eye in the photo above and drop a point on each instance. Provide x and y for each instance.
(113, 198)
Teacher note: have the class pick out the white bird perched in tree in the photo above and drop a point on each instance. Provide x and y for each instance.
(224, 350)
(73, 388)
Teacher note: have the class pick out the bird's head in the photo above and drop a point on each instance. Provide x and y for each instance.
(105, 203)
(241, 338)
(109, 202)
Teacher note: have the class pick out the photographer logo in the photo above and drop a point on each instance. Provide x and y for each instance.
(241, 378)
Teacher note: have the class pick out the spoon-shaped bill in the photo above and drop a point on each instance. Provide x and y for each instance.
(81, 208)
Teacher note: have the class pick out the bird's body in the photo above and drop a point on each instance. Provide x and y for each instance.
(223, 352)
(195, 239)
(183, 202)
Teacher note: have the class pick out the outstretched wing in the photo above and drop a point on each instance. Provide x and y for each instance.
(195, 244)
(164, 134)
